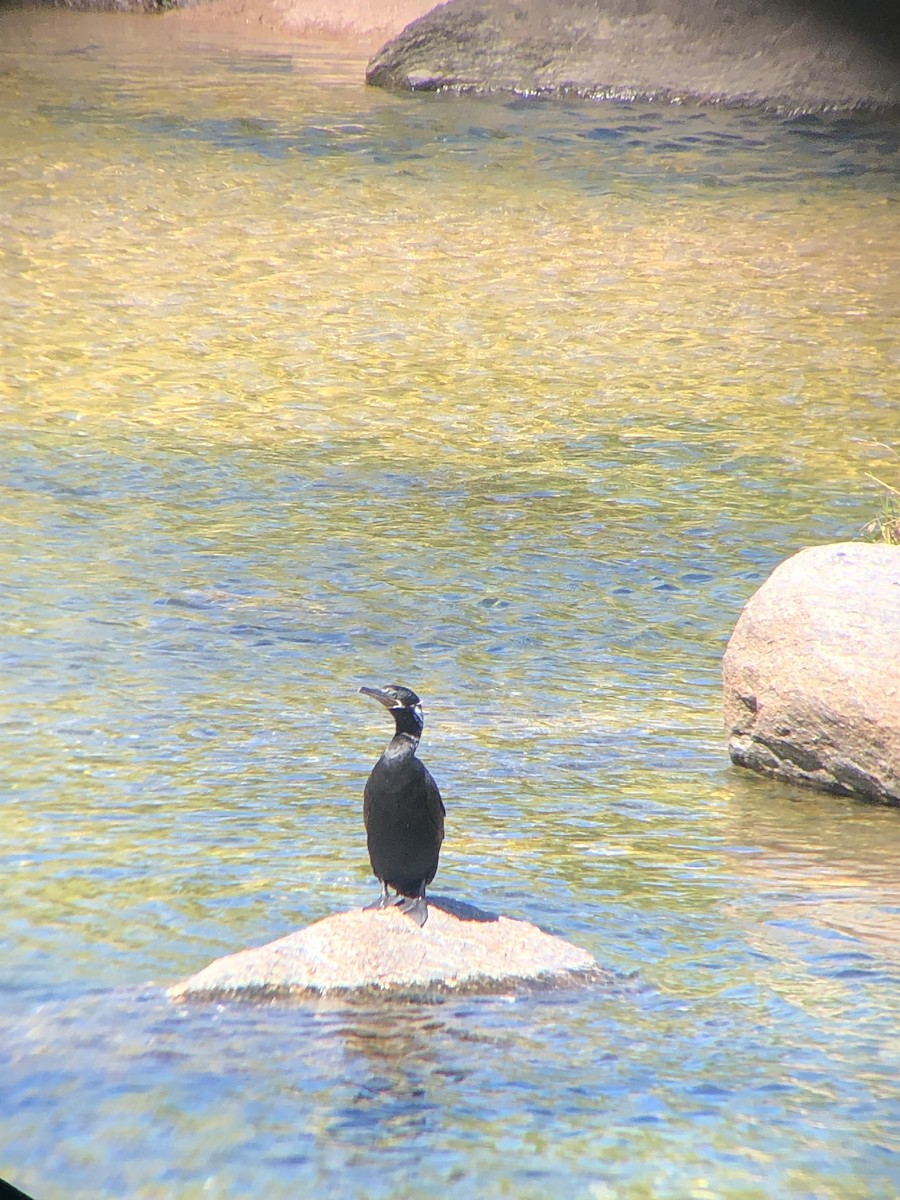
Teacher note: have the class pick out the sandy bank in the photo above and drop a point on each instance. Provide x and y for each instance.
(366, 24)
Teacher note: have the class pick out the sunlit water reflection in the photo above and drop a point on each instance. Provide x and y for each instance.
(306, 386)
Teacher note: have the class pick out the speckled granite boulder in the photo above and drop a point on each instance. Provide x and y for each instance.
(799, 55)
(812, 672)
(460, 947)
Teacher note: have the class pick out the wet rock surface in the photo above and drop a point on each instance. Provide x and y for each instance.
(460, 947)
(812, 673)
(801, 57)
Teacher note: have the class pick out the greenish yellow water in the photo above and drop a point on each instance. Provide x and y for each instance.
(306, 386)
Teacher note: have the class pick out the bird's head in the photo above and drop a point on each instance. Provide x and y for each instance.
(403, 703)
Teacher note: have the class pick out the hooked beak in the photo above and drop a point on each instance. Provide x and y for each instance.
(381, 696)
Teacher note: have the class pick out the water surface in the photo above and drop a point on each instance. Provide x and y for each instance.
(306, 386)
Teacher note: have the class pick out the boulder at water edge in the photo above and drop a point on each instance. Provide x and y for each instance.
(459, 947)
(812, 672)
(798, 55)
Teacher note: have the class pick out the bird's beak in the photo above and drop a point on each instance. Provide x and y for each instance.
(377, 694)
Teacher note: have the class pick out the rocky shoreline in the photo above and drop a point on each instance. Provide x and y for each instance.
(806, 56)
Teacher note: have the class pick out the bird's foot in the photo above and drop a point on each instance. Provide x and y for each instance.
(415, 908)
(384, 901)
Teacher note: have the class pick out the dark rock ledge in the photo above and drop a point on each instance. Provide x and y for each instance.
(798, 56)
(459, 948)
(812, 673)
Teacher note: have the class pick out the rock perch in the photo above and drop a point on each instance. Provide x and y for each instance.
(461, 947)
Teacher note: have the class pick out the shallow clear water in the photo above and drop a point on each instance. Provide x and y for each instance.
(306, 386)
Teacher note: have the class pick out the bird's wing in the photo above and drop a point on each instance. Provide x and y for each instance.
(433, 791)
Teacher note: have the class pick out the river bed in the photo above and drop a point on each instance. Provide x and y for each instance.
(306, 386)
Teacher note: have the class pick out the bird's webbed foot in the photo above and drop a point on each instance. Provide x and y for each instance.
(385, 900)
(417, 908)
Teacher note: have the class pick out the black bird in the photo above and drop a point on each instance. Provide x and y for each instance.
(403, 810)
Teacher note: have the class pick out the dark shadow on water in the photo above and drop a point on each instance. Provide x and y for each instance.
(591, 145)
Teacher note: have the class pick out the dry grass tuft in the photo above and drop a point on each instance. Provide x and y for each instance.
(885, 527)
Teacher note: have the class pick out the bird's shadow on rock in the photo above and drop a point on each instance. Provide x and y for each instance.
(461, 910)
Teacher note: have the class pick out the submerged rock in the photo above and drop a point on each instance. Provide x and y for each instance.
(801, 56)
(459, 947)
(812, 673)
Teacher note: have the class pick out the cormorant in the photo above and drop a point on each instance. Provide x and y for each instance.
(403, 810)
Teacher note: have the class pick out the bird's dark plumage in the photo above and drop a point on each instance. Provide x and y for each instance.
(403, 810)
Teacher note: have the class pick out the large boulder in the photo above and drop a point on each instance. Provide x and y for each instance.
(812, 672)
(798, 55)
(459, 947)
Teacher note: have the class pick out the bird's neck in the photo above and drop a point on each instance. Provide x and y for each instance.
(408, 723)
(402, 745)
